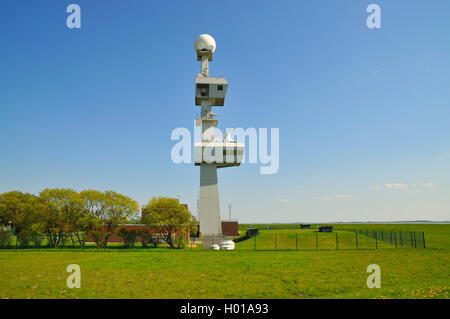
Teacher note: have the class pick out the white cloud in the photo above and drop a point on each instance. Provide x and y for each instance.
(340, 196)
(283, 200)
(429, 184)
(390, 186)
(403, 186)
(394, 186)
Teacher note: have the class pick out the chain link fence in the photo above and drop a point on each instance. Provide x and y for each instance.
(398, 238)
(343, 239)
(282, 238)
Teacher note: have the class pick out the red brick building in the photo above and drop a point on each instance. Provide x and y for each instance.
(230, 228)
(115, 237)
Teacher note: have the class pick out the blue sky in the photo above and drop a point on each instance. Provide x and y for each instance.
(358, 109)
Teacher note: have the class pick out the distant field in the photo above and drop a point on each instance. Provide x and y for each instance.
(437, 235)
(164, 273)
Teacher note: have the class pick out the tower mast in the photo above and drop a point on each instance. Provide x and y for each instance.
(209, 152)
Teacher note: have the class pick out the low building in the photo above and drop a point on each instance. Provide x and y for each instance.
(116, 238)
(230, 228)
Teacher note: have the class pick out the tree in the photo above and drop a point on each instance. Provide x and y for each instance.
(18, 208)
(108, 210)
(62, 208)
(91, 222)
(118, 209)
(170, 217)
(193, 227)
(21, 210)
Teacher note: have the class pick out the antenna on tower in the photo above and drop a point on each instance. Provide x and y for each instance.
(205, 45)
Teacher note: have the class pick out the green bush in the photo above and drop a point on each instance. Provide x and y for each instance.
(5, 237)
(145, 237)
(36, 238)
(181, 243)
(180, 240)
(129, 236)
(82, 238)
(100, 238)
(24, 238)
(156, 240)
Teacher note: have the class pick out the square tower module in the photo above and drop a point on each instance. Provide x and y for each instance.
(210, 89)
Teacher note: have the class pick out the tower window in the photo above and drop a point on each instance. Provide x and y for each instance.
(220, 88)
(203, 89)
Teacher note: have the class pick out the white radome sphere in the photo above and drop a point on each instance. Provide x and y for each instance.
(205, 42)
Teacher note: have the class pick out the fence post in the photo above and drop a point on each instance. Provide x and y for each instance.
(317, 243)
(337, 244)
(401, 239)
(415, 242)
(411, 239)
(296, 241)
(391, 237)
(423, 237)
(395, 237)
(376, 239)
(356, 233)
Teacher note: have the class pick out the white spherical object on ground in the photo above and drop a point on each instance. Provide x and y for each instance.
(227, 245)
(205, 42)
(215, 247)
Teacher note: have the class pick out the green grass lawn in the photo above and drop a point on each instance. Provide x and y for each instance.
(244, 273)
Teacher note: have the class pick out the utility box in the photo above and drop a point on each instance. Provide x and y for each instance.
(251, 232)
(325, 229)
(211, 90)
